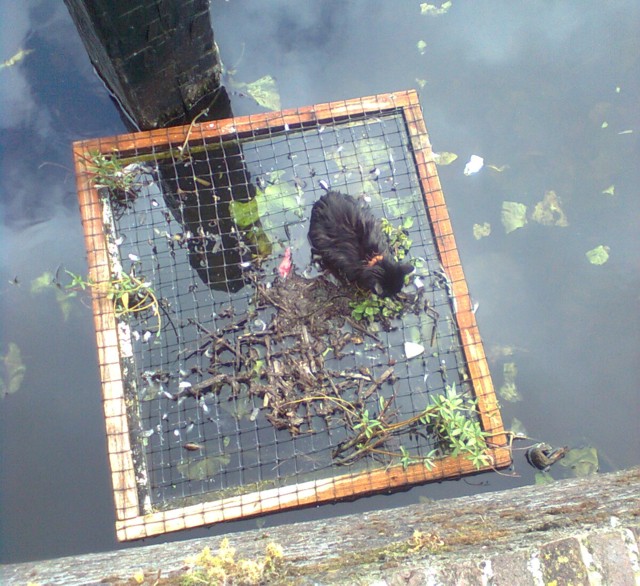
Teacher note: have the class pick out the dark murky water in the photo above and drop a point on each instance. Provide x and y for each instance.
(546, 93)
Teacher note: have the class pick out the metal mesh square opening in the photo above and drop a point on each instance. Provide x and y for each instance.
(231, 390)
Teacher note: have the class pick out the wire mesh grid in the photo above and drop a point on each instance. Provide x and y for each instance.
(235, 384)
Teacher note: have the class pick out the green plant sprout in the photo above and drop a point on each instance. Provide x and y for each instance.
(446, 419)
(399, 241)
(368, 425)
(373, 307)
(129, 294)
(110, 173)
(456, 434)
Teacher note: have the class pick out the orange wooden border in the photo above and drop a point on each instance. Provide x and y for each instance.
(109, 356)
(131, 522)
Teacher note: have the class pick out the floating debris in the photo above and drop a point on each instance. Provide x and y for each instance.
(542, 456)
(582, 461)
(264, 91)
(474, 165)
(192, 447)
(598, 255)
(203, 405)
(19, 56)
(548, 211)
(481, 230)
(513, 215)
(497, 169)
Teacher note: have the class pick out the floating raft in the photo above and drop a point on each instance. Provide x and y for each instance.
(234, 387)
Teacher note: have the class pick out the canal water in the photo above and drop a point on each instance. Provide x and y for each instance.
(545, 93)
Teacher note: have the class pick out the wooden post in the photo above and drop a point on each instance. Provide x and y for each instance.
(159, 60)
(157, 57)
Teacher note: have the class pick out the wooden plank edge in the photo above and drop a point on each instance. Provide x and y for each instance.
(471, 341)
(123, 475)
(235, 127)
(310, 493)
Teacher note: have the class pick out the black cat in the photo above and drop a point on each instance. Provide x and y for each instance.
(348, 240)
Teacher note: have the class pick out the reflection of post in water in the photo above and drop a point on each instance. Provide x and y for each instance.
(162, 67)
(198, 191)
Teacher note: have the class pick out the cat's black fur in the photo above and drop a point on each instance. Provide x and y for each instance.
(348, 240)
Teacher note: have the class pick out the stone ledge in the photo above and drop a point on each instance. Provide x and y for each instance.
(574, 531)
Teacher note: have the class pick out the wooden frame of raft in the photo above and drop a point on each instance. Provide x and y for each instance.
(131, 523)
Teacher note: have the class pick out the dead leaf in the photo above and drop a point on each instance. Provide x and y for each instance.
(548, 211)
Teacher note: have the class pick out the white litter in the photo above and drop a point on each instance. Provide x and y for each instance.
(474, 165)
(411, 349)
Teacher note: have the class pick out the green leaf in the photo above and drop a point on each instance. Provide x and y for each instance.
(13, 371)
(598, 255)
(204, 469)
(42, 283)
(611, 190)
(508, 391)
(513, 216)
(543, 478)
(481, 230)
(46, 282)
(244, 213)
(422, 47)
(277, 198)
(64, 302)
(259, 238)
(548, 211)
(583, 461)
(19, 56)
(408, 223)
(263, 90)
(397, 207)
(444, 158)
(433, 10)
(366, 153)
